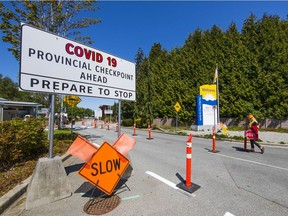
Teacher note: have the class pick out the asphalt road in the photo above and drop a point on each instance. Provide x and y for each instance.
(232, 182)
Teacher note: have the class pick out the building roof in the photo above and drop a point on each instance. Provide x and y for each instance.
(4, 102)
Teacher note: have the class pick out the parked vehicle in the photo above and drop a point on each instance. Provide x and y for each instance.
(26, 117)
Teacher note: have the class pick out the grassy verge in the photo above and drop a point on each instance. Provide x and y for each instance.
(278, 130)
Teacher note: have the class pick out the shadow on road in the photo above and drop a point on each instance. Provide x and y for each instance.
(73, 168)
(243, 150)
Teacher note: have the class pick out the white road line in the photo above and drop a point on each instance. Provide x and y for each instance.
(130, 197)
(228, 214)
(97, 145)
(241, 159)
(169, 183)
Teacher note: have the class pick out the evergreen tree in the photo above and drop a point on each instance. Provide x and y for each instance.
(139, 59)
(252, 71)
(235, 92)
(273, 63)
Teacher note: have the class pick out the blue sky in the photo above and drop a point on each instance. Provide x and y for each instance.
(129, 25)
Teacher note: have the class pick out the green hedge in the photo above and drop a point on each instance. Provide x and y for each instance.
(65, 134)
(140, 123)
(127, 122)
(20, 140)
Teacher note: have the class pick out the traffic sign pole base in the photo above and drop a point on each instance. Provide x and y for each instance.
(190, 189)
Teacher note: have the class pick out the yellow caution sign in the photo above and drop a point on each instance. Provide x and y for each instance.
(72, 100)
(177, 107)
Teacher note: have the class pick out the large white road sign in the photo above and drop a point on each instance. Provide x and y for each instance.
(53, 64)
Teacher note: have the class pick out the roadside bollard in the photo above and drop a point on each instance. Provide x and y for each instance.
(214, 143)
(245, 141)
(116, 128)
(108, 126)
(149, 132)
(83, 122)
(134, 129)
(95, 123)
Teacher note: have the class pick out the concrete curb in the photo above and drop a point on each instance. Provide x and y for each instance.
(9, 198)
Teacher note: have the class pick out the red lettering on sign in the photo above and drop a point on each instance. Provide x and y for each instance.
(88, 54)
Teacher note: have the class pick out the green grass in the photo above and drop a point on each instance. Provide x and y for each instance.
(63, 131)
(278, 130)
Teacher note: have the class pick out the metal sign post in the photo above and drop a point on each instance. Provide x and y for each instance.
(119, 118)
(51, 125)
(214, 131)
(177, 107)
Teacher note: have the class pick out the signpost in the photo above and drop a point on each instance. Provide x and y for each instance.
(214, 130)
(177, 107)
(54, 64)
(105, 168)
(72, 100)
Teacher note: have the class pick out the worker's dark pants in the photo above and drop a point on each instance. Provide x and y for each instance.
(253, 142)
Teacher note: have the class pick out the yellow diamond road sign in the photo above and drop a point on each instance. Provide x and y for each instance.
(177, 107)
(72, 100)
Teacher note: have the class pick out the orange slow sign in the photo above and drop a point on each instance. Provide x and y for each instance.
(105, 168)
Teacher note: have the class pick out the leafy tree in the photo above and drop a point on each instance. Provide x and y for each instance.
(79, 112)
(115, 110)
(59, 17)
(8, 88)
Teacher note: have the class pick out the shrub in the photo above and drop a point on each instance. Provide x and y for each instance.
(182, 133)
(141, 123)
(64, 135)
(155, 127)
(127, 122)
(20, 140)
